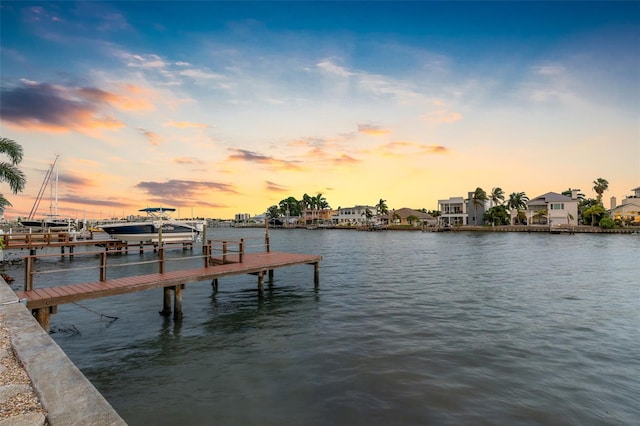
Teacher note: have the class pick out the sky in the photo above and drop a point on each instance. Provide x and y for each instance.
(218, 108)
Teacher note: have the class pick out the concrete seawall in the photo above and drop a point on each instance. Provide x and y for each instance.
(64, 392)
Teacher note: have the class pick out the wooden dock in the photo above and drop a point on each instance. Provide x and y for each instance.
(44, 301)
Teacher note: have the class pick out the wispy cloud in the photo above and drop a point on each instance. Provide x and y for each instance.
(184, 124)
(274, 187)
(184, 193)
(441, 116)
(153, 138)
(372, 130)
(549, 69)
(88, 201)
(253, 157)
(408, 149)
(329, 67)
(187, 160)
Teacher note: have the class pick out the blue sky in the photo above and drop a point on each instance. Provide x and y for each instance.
(229, 107)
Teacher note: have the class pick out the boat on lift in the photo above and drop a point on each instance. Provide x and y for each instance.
(157, 226)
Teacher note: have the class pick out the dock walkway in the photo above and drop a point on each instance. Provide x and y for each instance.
(44, 301)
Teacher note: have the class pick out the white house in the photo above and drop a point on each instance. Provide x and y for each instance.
(352, 215)
(560, 209)
(629, 210)
(462, 211)
(453, 211)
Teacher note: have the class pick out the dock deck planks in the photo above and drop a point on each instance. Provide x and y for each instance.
(251, 263)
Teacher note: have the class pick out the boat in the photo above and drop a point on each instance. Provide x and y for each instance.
(158, 226)
(50, 222)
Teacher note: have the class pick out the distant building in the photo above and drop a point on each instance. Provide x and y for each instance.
(401, 217)
(242, 217)
(461, 211)
(552, 209)
(453, 211)
(629, 210)
(352, 215)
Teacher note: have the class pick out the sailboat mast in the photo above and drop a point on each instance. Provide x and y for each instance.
(57, 172)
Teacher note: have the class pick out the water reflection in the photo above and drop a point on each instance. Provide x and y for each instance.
(405, 328)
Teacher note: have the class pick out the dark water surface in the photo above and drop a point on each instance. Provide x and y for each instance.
(406, 328)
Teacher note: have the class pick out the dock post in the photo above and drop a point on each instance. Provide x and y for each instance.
(61, 252)
(141, 247)
(28, 273)
(214, 285)
(224, 252)
(161, 259)
(206, 250)
(241, 249)
(166, 303)
(261, 284)
(270, 277)
(103, 266)
(177, 301)
(316, 274)
(70, 252)
(43, 316)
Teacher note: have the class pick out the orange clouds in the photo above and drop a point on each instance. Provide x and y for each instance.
(153, 138)
(184, 125)
(403, 149)
(371, 130)
(274, 187)
(54, 108)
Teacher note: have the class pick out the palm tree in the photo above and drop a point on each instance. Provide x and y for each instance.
(517, 201)
(540, 214)
(321, 202)
(599, 186)
(497, 196)
(306, 203)
(9, 171)
(479, 197)
(382, 208)
(367, 215)
(595, 212)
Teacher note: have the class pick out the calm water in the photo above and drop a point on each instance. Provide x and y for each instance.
(406, 328)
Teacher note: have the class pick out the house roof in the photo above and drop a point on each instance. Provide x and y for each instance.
(406, 212)
(628, 207)
(550, 197)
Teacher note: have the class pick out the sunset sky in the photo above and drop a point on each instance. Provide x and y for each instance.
(219, 108)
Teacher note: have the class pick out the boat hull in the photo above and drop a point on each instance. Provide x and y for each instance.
(148, 232)
(53, 225)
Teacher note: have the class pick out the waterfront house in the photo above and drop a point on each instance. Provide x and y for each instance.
(552, 209)
(418, 218)
(453, 211)
(461, 211)
(628, 212)
(352, 215)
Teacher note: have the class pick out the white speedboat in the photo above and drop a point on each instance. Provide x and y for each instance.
(157, 226)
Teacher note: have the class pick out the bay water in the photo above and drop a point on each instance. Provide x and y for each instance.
(405, 328)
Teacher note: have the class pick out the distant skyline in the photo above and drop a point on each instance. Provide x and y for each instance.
(219, 108)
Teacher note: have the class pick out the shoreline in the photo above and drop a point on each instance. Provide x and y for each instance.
(579, 229)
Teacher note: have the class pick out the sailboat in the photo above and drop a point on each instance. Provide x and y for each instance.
(51, 221)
